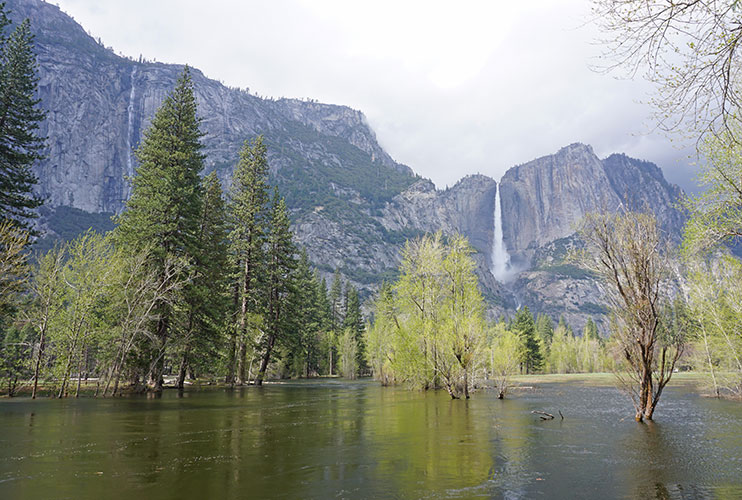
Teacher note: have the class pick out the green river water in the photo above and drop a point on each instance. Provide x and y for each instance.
(341, 439)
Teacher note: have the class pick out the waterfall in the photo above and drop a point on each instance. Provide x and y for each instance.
(130, 128)
(500, 269)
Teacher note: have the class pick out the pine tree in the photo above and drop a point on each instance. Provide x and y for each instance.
(307, 316)
(280, 265)
(206, 297)
(165, 207)
(591, 331)
(20, 116)
(544, 329)
(336, 317)
(336, 300)
(354, 321)
(525, 327)
(248, 214)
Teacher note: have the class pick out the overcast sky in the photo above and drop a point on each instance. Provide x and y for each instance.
(450, 88)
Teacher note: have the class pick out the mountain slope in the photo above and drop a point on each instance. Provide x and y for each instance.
(352, 205)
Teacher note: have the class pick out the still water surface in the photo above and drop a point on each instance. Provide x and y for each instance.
(336, 439)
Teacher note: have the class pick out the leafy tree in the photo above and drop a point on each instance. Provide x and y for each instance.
(531, 358)
(248, 216)
(14, 272)
(715, 301)
(16, 344)
(165, 207)
(348, 350)
(20, 116)
(690, 49)
(716, 214)
(429, 328)
(504, 354)
(630, 254)
(380, 337)
(47, 288)
(85, 285)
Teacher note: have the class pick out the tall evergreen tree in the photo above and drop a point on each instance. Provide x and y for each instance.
(248, 215)
(336, 300)
(165, 207)
(280, 264)
(307, 318)
(354, 321)
(591, 331)
(336, 318)
(544, 329)
(206, 297)
(531, 357)
(20, 115)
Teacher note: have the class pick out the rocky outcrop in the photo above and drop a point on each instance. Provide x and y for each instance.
(543, 200)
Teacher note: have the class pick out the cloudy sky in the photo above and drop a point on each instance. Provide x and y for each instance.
(449, 91)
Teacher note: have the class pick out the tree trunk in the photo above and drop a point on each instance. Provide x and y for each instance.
(38, 363)
(157, 367)
(241, 363)
(183, 368)
(266, 360)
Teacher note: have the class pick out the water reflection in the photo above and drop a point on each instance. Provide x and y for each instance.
(322, 439)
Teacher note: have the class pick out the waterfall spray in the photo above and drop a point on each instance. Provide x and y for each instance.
(501, 268)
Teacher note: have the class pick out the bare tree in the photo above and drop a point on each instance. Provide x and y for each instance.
(689, 48)
(630, 254)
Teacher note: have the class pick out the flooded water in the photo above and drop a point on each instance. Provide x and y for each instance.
(335, 439)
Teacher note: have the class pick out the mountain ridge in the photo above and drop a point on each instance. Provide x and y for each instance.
(352, 205)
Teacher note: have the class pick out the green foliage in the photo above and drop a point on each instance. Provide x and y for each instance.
(504, 356)
(429, 328)
(715, 216)
(308, 183)
(14, 270)
(20, 116)
(164, 212)
(590, 331)
(531, 358)
(348, 351)
(544, 329)
(716, 312)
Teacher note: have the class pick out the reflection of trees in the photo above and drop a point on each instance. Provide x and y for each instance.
(652, 460)
(425, 442)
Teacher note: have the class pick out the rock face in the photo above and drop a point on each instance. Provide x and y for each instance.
(352, 206)
(99, 104)
(544, 199)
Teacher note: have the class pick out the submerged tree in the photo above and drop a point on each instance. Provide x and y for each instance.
(504, 354)
(630, 254)
(429, 328)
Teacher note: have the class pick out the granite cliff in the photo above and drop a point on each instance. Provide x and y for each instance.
(352, 205)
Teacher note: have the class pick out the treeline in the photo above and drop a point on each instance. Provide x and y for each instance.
(430, 329)
(192, 283)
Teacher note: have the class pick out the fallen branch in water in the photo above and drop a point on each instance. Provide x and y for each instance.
(543, 415)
